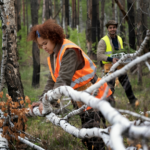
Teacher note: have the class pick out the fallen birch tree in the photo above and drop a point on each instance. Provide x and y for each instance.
(112, 136)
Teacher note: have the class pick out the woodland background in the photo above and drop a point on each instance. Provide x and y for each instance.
(83, 22)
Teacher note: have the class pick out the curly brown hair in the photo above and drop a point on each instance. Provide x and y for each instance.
(48, 30)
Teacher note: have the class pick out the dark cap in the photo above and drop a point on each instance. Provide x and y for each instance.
(111, 22)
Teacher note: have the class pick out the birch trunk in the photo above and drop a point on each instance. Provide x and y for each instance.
(10, 65)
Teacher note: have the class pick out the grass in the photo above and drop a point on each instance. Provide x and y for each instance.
(54, 137)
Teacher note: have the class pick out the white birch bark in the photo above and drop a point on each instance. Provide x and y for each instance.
(4, 48)
(134, 55)
(30, 144)
(118, 72)
(3, 142)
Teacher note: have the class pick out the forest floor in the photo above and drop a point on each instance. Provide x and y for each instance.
(55, 138)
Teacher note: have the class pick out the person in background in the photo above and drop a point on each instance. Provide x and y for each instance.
(69, 65)
(106, 47)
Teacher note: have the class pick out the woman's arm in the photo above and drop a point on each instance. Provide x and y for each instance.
(49, 86)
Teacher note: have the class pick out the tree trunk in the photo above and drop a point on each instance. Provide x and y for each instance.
(145, 12)
(102, 19)
(67, 12)
(113, 9)
(47, 9)
(23, 8)
(78, 14)
(50, 9)
(122, 27)
(139, 38)
(35, 50)
(27, 21)
(88, 28)
(18, 14)
(74, 14)
(10, 66)
(131, 24)
(93, 27)
(43, 13)
(80, 18)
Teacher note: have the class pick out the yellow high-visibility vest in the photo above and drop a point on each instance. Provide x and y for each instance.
(109, 47)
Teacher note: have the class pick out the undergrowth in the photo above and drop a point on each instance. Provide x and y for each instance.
(54, 137)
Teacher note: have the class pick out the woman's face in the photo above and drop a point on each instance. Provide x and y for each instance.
(46, 44)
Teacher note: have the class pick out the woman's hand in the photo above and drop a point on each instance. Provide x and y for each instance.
(37, 104)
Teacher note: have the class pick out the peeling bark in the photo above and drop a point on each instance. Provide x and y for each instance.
(10, 63)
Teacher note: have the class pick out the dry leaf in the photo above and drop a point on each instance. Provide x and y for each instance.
(22, 135)
(6, 114)
(21, 102)
(29, 105)
(7, 95)
(1, 94)
(138, 146)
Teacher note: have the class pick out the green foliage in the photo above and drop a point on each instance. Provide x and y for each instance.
(24, 47)
(78, 38)
(125, 50)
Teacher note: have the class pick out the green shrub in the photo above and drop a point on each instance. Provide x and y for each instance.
(24, 47)
(78, 38)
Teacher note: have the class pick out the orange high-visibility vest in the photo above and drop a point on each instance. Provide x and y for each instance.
(82, 76)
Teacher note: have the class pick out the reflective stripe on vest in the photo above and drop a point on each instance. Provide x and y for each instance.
(82, 76)
(109, 47)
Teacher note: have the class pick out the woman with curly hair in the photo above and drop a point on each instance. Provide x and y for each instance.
(68, 65)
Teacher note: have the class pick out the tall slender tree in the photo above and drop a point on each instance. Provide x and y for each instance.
(93, 27)
(43, 13)
(27, 21)
(122, 27)
(47, 9)
(23, 8)
(18, 14)
(10, 67)
(35, 49)
(67, 12)
(50, 10)
(131, 23)
(74, 14)
(139, 37)
(102, 18)
(113, 9)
